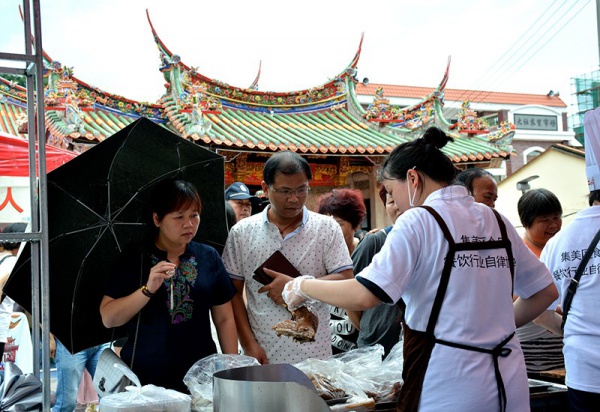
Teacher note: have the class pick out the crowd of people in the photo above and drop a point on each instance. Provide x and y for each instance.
(477, 305)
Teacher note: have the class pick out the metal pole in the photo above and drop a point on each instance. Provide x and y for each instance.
(43, 210)
(35, 226)
(39, 219)
(38, 237)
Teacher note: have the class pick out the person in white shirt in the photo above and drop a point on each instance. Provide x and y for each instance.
(8, 259)
(454, 262)
(313, 243)
(563, 254)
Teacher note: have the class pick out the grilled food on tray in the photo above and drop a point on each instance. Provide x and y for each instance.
(325, 388)
(302, 327)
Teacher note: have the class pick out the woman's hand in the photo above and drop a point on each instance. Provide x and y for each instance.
(161, 271)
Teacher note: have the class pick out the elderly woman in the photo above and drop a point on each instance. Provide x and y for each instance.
(347, 207)
(540, 212)
(164, 290)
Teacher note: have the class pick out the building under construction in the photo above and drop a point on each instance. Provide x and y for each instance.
(586, 93)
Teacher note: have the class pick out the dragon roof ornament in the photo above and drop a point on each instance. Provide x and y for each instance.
(101, 97)
(410, 118)
(468, 123)
(324, 95)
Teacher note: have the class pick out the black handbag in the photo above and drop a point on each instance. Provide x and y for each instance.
(575, 280)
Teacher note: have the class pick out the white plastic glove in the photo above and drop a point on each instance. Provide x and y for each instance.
(293, 296)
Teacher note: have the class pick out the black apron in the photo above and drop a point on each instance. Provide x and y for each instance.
(418, 345)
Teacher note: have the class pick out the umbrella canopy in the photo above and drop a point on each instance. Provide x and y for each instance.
(96, 207)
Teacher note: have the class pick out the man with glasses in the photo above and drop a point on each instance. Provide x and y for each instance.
(313, 243)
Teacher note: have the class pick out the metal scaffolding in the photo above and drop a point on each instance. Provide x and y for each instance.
(586, 96)
(32, 68)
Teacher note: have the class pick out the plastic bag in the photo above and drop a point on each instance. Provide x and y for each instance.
(148, 398)
(330, 379)
(360, 372)
(382, 379)
(199, 378)
(18, 391)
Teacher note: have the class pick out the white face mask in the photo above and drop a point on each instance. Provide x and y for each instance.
(411, 200)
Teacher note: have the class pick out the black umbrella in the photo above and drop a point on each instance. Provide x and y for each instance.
(96, 205)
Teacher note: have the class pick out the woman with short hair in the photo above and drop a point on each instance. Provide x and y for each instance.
(540, 213)
(164, 290)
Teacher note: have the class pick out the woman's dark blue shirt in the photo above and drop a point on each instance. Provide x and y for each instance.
(171, 340)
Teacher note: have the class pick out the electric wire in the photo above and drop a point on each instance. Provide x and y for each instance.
(493, 68)
(519, 60)
(507, 75)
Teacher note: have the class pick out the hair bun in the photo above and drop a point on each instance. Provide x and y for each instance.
(436, 137)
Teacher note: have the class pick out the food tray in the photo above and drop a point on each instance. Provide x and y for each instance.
(538, 386)
(336, 401)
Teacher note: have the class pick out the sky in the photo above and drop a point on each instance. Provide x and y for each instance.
(521, 46)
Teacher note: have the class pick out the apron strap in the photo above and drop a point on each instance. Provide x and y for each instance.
(499, 351)
(507, 246)
(445, 278)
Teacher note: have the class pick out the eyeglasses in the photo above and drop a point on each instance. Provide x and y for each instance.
(286, 193)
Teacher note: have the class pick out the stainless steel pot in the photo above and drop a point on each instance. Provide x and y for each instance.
(265, 388)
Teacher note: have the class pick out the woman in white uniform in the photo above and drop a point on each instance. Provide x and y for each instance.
(460, 352)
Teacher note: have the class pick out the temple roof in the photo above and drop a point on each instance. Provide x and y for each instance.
(325, 119)
(189, 78)
(475, 96)
(12, 106)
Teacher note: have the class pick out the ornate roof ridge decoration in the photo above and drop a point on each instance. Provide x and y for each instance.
(421, 114)
(12, 91)
(405, 120)
(101, 97)
(174, 71)
(254, 85)
(78, 114)
(503, 135)
(469, 124)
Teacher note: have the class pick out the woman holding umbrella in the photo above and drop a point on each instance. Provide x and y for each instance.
(164, 290)
(454, 262)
